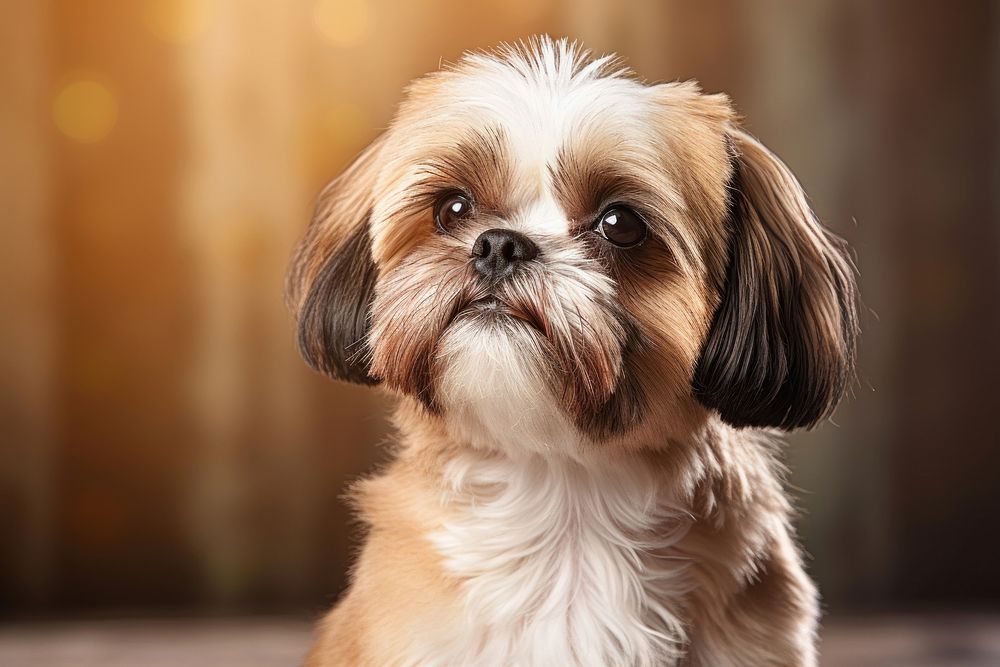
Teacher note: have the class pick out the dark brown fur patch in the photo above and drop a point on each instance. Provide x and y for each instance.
(781, 348)
(333, 321)
(332, 276)
(625, 408)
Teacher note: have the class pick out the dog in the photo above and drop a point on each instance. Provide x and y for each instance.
(596, 301)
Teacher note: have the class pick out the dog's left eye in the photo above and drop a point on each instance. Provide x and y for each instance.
(450, 209)
(621, 226)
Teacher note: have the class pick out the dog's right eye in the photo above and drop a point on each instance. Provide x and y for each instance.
(450, 209)
(622, 226)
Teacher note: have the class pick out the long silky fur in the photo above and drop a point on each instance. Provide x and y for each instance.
(781, 349)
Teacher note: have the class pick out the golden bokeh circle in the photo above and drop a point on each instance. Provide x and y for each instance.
(85, 111)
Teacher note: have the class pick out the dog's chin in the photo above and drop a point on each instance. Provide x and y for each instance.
(494, 382)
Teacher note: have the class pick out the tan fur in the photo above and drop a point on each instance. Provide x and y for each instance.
(618, 340)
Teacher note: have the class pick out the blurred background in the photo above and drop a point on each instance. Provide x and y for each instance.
(163, 449)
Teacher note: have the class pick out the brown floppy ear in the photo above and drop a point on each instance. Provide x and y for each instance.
(331, 279)
(780, 351)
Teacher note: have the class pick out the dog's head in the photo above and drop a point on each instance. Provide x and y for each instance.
(540, 240)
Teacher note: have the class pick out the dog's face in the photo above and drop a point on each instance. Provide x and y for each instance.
(540, 244)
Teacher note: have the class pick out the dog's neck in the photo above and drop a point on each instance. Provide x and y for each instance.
(563, 557)
(558, 554)
(595, 554)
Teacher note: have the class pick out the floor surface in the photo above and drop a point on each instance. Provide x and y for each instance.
(938, 641)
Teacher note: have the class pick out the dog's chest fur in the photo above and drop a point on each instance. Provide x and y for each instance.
(562, 562)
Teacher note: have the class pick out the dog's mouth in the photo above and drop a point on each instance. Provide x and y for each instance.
(493, 307)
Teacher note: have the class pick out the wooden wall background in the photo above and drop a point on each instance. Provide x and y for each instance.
(163, 447)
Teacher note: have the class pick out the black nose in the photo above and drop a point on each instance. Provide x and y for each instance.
(498, 251)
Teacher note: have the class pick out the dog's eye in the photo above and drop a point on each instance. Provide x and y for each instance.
(450, 209)
(621, 226)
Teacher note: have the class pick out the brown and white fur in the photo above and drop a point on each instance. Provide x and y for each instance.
(581, 475)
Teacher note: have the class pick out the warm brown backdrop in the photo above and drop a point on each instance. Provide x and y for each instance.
(163, 447)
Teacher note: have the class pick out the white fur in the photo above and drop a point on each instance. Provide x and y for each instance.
(543, 215)
(494, 389)
(563, 562)
(543, 98)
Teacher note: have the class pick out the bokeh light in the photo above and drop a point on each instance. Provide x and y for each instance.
(343, 23)
(85, 111)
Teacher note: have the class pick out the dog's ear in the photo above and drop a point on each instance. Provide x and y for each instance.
(780, 351)
(331, 279)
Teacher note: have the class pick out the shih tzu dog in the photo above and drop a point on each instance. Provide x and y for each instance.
(592, 297)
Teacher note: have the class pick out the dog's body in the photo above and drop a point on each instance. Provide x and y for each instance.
(475, 559)
(583, 289)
